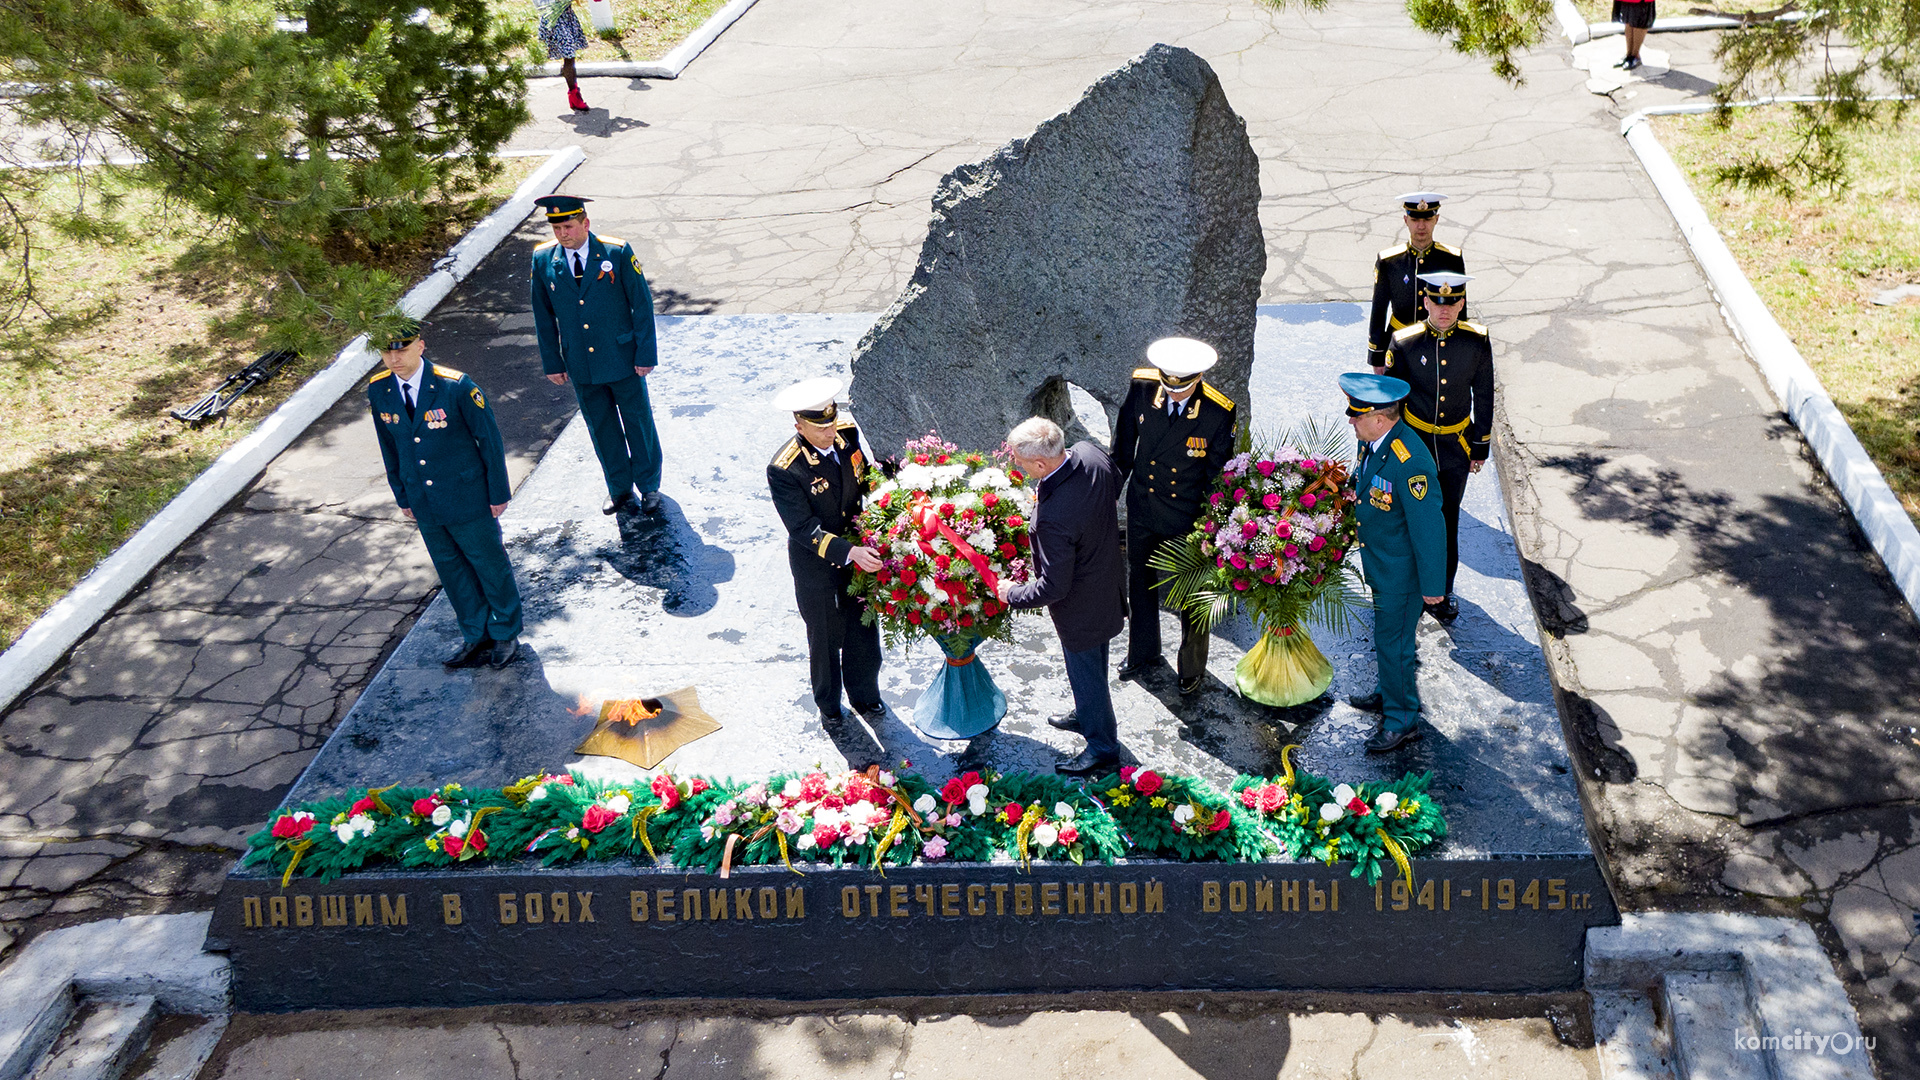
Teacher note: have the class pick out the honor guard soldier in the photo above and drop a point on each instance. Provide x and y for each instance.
(1448, 361)
(1397, 270)
(1175, 435)
(448, 471)
(593, 315)
(1401, 549)
(817, 479)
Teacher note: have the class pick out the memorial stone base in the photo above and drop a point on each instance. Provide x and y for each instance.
(701, 596)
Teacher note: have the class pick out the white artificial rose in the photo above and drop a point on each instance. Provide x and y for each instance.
(1063, 811)
(361, 824)
(1044, 834)
(620, 804)
(887, 779)
(792, 790)
(1331, 812)
(1343, 794)
(442, 814)
(573, 833)
(977, 793)
(1386, 802)
(537, 793)
(458, 828)
(1183, 813)
(923, 805)
(978, 806)
(344, 831)
(806, 842)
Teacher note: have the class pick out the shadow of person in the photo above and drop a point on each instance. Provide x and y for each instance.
(662, 551)
(1484, 648)
(1240, 733)
(1222, 1047)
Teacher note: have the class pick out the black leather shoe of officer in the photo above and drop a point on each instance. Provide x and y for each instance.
(1191, 686)
(1132, 668)
(1368, 702)
(875, 712)
(472, 655)
(625, 504)
(1384, 740)
(650, 503)
(1445, 611)
(1087, 765)
(503, 653)
(1069, 722)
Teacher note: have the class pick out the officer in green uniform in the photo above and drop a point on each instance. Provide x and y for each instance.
(448, 471)
(1402, 551)
(1448, 361)
(593, 315)
(1397, 270)
(817, 482)
(1174, 436)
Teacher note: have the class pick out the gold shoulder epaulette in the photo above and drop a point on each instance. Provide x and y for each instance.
(1216, 396)
(544, 245)
(787, 453)
(613, 241)
(1388, 253)
(1472, 327)
(446, 372)
(1400, 451)
(1407, 333)
(383, 373)
(1151, 374)
(843, 425)
(1448, 248)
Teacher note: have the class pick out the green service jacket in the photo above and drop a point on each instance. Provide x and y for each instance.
(598, 329)
(448, 464)
(1403, 537)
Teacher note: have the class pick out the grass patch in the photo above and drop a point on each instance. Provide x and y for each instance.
(1818, 258)
(643, 29)
(139, 319)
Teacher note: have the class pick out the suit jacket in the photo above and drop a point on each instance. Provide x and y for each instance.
(447, 464)
(1451, 406)
(601, 328)
(1396, 291)
(1403, 537)
(1079, 575)
(1171, 461)
(818, 499)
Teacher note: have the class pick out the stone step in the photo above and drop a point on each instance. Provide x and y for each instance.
(106, 1038)
(1705, 1011)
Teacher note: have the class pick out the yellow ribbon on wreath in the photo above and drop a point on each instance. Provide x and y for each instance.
(640, 828)
(893, 831)
(784, 860)
(1399, 856)
(299, 848)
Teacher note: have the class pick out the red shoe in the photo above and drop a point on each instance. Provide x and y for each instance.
(574, 99)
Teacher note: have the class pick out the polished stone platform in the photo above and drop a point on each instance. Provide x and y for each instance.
(701, 595)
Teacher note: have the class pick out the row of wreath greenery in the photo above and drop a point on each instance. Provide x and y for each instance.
(873, 819)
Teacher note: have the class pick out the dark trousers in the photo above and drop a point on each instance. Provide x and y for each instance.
(472, 563)
(620, 421)
(1396, 616)
(1093, 701)
(841, 649)
(1453, 488)
(1144, 601)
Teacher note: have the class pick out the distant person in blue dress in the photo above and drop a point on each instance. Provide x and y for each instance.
(563, 37)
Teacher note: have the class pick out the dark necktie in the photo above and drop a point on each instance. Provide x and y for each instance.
(406, 391)
(579, 266)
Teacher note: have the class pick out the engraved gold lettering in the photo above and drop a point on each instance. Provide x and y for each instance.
(1209, 896)
(251, 914)
(923, 894)
(1486, 893)
(1050, 898)
(450, 909)
(796, 902)
(394, 914)
(850, 901)
(561, 905)
(873, 899)
(1531, 897)
(1316, 897)
(897, 901)
(276, 911)
(363, 909)
(1399, 890)
(1077, 898)
(509, 909)
(1334, 888)
(637, 905)
(1156, 897)
(690, 906)
(1103, 898)
(976, 899)
(1290, 896)
(534, 907)
(1446, 895)
(1236, 896)
(1263, 895)
(663, 904)
(950, 900)
(1556, 894)
(1426, 895)
(1023, 899)
(303, 911)
(585, 902)
(1129, 898)
(716, 903)
(1506, 894)
(333, 909)
(999, 898)
(769, 898)
(743, 903)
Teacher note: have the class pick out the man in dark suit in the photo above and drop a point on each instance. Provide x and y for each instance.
(1175, 435)
(1078, 576)
(1397, 270)
(817, 483)
(448, 471)
(593, 315)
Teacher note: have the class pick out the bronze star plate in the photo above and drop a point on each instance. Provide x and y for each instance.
(624, 732)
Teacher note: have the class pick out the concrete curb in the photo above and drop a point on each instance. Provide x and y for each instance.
(1805, 400)
(667, 67)
(1575, 28)
(1572, 24)
(76, 613)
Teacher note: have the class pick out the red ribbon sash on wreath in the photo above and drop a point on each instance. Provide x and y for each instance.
(924, 516)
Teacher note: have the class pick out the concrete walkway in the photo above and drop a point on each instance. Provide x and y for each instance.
(1737, 676)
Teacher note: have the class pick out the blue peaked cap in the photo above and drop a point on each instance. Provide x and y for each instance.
(1367, 392)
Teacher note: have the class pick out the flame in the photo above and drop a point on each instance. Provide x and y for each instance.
(585, 708)
(630, 712)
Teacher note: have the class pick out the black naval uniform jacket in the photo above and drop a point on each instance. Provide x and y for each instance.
(1174, 459)
(1396, 291)
(1451, 374)
(818, 498)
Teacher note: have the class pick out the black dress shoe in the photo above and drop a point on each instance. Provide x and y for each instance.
(1368, 702)
(1087, 765)
(1069, 722)
(1445, 611)
(503, 653)
(614, 506)
(650, 503)
(1191, 686)
(469, 655)
(1384, 740)
(1632, 63)
(1130, 667)
(875, 712)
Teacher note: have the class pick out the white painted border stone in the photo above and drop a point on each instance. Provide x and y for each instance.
(667, 67)
(74, 614)
(1578, 31)
(1801, 394)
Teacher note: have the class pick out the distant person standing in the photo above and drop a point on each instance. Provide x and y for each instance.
(1174, 436)
(593, 314)
(1078, 576)
(561, 33)
(447, 467)
(1637, 17)
(1397, 270)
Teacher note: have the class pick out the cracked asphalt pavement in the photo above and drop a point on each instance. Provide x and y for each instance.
(1737, 676)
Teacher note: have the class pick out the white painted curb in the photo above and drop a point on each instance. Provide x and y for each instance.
(667, 67)
(1805, 400)
(1572, 23)
(50, 636)
(1689, 23)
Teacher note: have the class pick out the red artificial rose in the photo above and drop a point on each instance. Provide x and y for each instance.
(1358, 807)
(813, 786)
(914, 617)
(567, 779)
(364, 806)
(1221, 820)
(941, 562)
(1015, 475)
(669, 794)
(921, 459)
(968, 515)
(886, 500)
(1008, 551)
(941, 460)
(968, 779)
(893, 609)
(452, 845)
(1146, 781)
(1126, 773)
(966, 621)
(424, 807)
(908, 577)
(1272, 797)
(858, 790)
(897, 595)
(885, 575)
(289, 827)
(938, 614)
(824, 835)
(1015, 521)
(954, 792)
(1249, 798)
(477, 840)
(989, 500)
(1068, 834)
(1014, 810)
(696, 785)
(946, 510)
(1022, 540)
(598, 817)
(831, 801)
